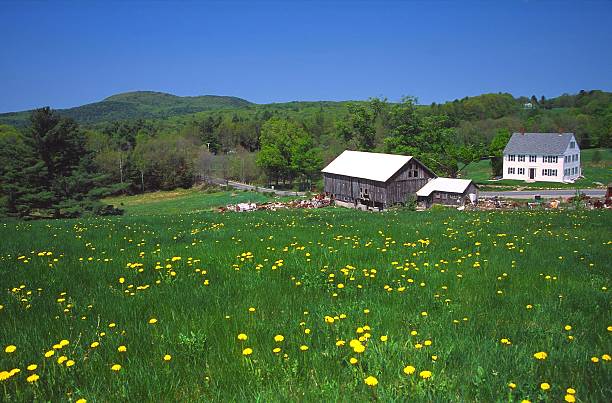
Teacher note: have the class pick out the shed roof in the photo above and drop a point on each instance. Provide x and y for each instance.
(538, 143)
(374, 166)
(448, 185)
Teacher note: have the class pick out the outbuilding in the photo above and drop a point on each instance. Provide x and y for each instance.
(447, 191)
(374, 180)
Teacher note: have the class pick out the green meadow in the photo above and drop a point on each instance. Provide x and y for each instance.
(174, 303)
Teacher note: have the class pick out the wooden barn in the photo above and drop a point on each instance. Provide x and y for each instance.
(374, 180)
(447, 191)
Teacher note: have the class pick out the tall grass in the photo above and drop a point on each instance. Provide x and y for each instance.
(479, 277)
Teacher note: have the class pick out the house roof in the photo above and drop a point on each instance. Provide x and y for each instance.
(448, 185)
(538, 143)
(374, 166)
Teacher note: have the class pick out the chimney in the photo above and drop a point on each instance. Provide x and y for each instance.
(522, 131)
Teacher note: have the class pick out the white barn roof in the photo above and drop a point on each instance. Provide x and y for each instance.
(449, 185)
(374, 166)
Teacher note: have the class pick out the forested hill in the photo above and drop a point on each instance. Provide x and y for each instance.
(135, 105)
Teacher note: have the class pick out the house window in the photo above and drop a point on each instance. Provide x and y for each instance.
(552, 159)
(549, 172)
(532, 158)
(572, 144)
(443, 196)
(511, 157)
(521, 158)
(521, 171)
(511, 171)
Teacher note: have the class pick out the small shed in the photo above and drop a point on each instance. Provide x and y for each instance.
(447, 191)
(374, 180)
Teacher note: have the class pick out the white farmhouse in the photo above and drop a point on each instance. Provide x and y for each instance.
(546, 157)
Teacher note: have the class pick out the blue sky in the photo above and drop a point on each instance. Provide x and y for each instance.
(65, 54)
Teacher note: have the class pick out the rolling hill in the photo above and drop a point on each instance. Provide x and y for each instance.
(136, 105)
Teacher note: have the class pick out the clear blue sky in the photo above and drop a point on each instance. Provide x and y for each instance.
(65, 54)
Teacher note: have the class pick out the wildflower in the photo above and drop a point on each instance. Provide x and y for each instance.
(570, 398)
(61, 359)
(359, 348)
(425, 374)
(568, 327)
(423, 313)
(505, 341)
(278, 338)
(427, 342)
(64, 343)
(414, 333)
(49, 353)
(10, 349)
(69, 363)
(167, 357)
(4, 375)
(409, 370)
(529, 306)
(544, 386)
(251, 309)
(434, 357)
(353, 360)
(303, 347)
(384, 338)
(32, 367)
(116, 367)
(242, 337)
(94, 344)
(595, 359)
(276, 350)
(371, 381)
(606, 357)
(32, 378)
(540, 355)
(571, 391)
(81, 400)
(152, 321)
(122, 349)
(340, 343)
(512, 385)
(247, 351)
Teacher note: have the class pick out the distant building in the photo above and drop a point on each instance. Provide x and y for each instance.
(447, 191)
(374, 180)
(528, 105)
(544, 157)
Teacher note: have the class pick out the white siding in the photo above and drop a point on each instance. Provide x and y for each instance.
(515, 169)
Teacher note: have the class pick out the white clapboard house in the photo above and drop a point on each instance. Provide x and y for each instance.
(544, 157)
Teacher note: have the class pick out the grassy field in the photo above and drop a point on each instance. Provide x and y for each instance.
(184, 201)
(601, 172)
(314, 305)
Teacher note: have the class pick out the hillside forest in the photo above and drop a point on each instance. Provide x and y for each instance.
(60, 163)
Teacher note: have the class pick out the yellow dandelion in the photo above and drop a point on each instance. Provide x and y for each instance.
(94, 344)
(116, 367)
(371, 381)
(167, 357)
(512, 385)
(425, 374)
(304, 347)
(32, 367)
(32, 378)
(247, 351)
(49, 353)
(242, 337)
(606, 357)
(122, 349)
(10, 349)
(595, 359)
(541, 355)
(409, 370)
(69, 363)
(278, 338)
(152, 321)
(276, 350)
(571, 391)
(384, 338)
(340, 343)
(570, 398)
(81, 400)
(61, 359)
(568, 327)
(353, 360)
(544, 386)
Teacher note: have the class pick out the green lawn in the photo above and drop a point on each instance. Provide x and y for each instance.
(183, 201)
(480, 172)
(469, 297)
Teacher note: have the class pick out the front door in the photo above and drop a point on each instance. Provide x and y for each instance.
(532, 173)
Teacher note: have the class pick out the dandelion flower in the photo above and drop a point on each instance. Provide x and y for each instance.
(167, 357)
(10, 349)
(541, 355)
(512, 385)
(409, 370)
(69, 363)
(568, 327)
(32, 367)
(570, 398)
(64, 343)
(278, 338)
(571, 391)
(384, 338)
(116, 367)
(242, 337)
(152, 321)
(595, 359)
(247, 351)
(251, 309)
(32, 378)
(340, 343)
(353, 360)
(122, 349)
(60, 360)
(49, 353)
(544, 386)
(81, 400)
(304, 347)
(94, 344)
(371, 381)
(425, 374)
(276, 350)
(606, 357)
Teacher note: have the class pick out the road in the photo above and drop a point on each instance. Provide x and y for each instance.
(546, 194)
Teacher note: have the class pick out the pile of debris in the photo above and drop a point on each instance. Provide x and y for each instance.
(317, 201)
